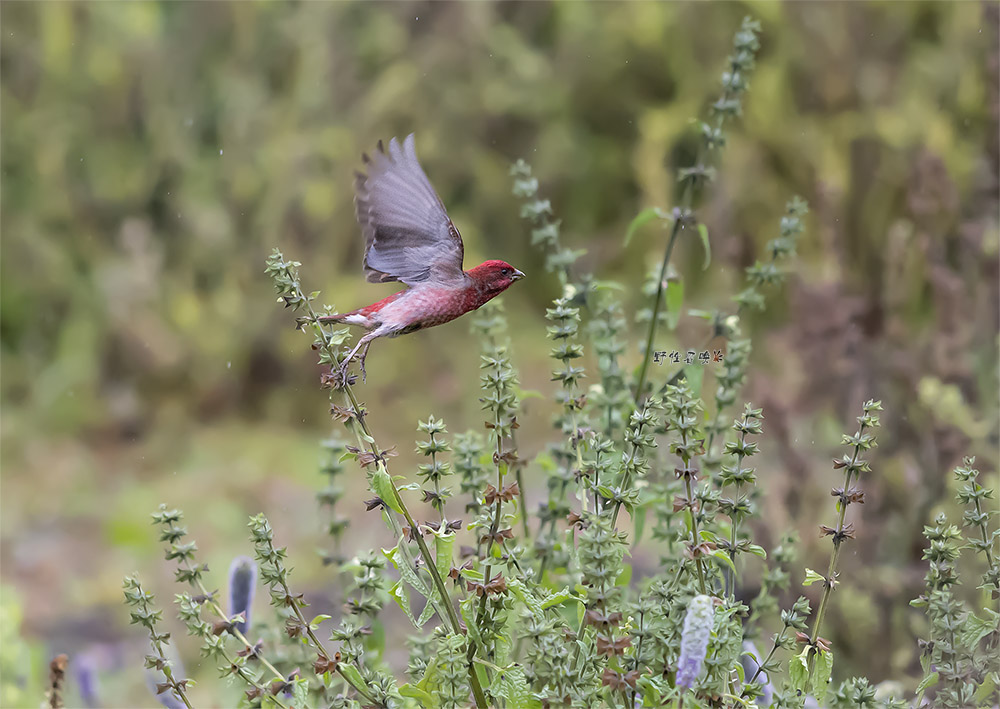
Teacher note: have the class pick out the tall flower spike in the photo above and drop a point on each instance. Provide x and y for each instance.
(694, 639)
(972, 495)
(242, 587)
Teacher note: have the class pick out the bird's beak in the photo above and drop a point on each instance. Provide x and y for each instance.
(516, 276)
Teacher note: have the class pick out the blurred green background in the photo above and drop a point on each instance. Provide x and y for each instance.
(154, 153)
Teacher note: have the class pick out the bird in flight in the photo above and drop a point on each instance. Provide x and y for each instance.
(410, 238)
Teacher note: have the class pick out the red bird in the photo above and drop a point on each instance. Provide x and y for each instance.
(409, 238)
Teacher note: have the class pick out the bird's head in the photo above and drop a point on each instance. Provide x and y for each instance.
(495, 276)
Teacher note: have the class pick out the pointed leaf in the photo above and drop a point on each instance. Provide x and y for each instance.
(706, 245)
(443, 544)
(820, 679)
(812, 577)
(798, 669)
(426, 699)
(927, 682)
(382, 486)
(721, 556)
(675, 300)
(640, 220)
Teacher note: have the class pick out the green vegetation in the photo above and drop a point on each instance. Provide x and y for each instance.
(619, 504)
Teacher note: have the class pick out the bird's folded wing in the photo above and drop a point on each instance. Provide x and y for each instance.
(408, 235)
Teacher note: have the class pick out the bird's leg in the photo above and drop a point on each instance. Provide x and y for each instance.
(346, 362)
(361, 361)
(362, 343)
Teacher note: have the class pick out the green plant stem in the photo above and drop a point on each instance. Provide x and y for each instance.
(217, 609)
(494, 527)
(694, 530)
(638, 651)
(321, 650)
(575, 442)
(734, 520)
(429, 561)
(657, 304)
(248, 678)
(437, 486)
(733, 525)
(686, 201)
(157, 645)
(987, 544)
(837, 541)
(624, 485)
(520, 485)
(778, 639)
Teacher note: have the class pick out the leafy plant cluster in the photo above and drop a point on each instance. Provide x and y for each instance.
(516, 605)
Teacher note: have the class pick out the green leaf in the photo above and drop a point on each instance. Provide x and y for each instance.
(798, 669)
(675, 300)
(987, 688)
(639, 521)
(812, 577)
(559, 597)
(526, 597)
(426, 613)
(408, 574)
(402, 599)
(300, 692)
(976, 628)
(443, 544)
(606, 492)
(705, 244)
(757, 550)
(426, 699)
(314, 623)
(512, 685)
(383, 487)
(722, 556)
(820, 679)
(429, 682)
(641, 219)
(927, 682)
(651, 695)
(468, 610)
(352, 674)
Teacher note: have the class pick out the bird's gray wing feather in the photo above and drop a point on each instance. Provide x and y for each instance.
(408, 235)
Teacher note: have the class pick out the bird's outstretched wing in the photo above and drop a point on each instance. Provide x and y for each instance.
(408, 235)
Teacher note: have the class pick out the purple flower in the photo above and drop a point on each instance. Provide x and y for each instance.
(242, 584)
(85, 670)
(694, 640)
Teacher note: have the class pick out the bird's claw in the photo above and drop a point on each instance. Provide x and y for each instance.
(339, 376)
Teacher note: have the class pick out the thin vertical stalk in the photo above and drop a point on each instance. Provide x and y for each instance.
(369, 441)
(657, 304)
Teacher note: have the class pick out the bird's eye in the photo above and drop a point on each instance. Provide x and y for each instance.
(505, 272)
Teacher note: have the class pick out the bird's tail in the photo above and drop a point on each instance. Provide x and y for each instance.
(355, 317)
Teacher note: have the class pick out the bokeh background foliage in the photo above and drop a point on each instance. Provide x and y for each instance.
(154, 153)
